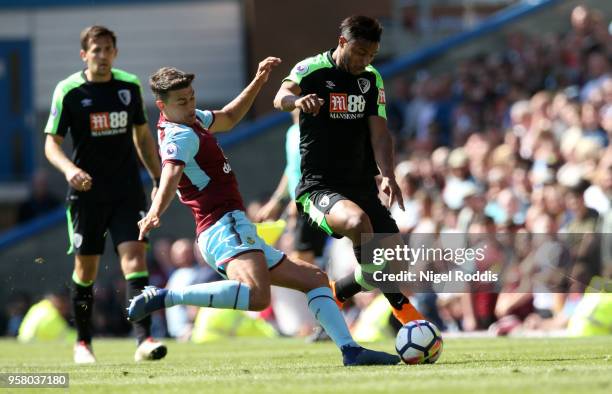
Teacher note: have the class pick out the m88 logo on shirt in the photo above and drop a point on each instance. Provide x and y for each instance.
(344, 106)
(108, 123)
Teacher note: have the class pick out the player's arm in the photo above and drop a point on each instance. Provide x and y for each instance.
(272, 208)
(58, 124)
(76, 177)
(232, 113)
(145, 147)
(382, 145)
(288, 98)
(170, 177)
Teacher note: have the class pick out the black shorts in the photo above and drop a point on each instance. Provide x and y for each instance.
(317, 203)
(90, 221)
(308, 237)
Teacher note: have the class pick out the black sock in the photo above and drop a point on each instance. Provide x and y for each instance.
(142, 329)
(347, 287)
(357, 251)
(82, 306)
(394, 323)
(396, 299)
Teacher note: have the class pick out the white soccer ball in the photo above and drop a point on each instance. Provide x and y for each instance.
(419, 342)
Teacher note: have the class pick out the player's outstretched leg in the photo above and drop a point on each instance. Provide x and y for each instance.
(311, 280)
(248, 289)
(225, 294)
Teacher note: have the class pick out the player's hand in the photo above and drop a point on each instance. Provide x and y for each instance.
(79, 180)
(270, 211)
(309, 104)
(265, 68)
(147, 224)
(389, 186)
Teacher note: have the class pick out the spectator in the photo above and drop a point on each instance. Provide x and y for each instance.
(598, 71)
(407, 180)
(459, 180)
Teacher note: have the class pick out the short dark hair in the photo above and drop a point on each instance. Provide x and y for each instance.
(361, 28)
(96, 31)
(169, 78)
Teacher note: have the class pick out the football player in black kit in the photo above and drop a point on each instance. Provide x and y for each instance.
(102, 108)
(345, 144)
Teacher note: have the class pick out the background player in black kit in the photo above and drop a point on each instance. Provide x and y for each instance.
(103, 109)
(345, 143)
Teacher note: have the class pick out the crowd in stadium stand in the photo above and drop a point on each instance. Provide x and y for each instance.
(515, 141)
(510, 148)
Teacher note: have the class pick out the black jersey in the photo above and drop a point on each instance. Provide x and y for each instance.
(100, 117)
(335, 147)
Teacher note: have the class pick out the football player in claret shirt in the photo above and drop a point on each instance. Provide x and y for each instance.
(345, 144)
(194, 167)
(102, 108)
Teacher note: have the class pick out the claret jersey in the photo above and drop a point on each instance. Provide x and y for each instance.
(335, 145)
(100, 117)
(208, 185)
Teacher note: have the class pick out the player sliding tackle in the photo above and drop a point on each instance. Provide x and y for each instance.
(194, 166)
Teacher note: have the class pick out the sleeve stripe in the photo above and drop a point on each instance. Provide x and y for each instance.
(206, 117)
(382, 110)
(212, 121)
(174, 161)
(57, 102)
(180, 143)
(307, 67)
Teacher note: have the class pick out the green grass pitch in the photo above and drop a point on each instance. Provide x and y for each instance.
(289, 366)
